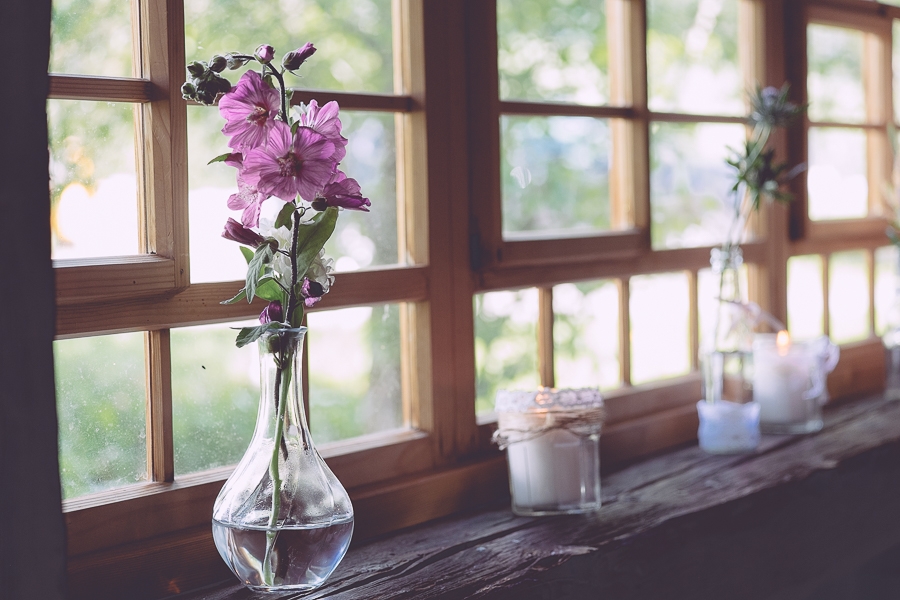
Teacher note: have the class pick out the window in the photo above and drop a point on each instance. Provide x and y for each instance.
(544, 204)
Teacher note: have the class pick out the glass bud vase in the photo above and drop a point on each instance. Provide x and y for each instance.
(891, 341)
(729, 419)
(282, 521)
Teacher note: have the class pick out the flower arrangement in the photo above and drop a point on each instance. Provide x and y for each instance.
(290, 156)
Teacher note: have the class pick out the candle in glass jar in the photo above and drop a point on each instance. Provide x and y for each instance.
(547, 471)
(781, 380)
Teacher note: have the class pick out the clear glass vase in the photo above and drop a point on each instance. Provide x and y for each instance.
(282, 521)
(729, 419)
(891, 341)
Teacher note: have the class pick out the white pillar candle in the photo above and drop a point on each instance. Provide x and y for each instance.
(782, 380)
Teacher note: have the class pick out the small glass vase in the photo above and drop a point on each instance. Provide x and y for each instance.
(891, 340)
(282, 521)
(729, 419)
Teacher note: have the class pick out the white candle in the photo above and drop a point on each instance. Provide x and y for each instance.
(782, 380)
(546, 472)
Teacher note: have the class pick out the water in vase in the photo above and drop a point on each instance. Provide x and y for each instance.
(301, 558)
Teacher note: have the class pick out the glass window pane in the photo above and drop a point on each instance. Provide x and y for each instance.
(586, 334)
(77, 49)
(691, 202)
(360, 240)
(101, 399)
(354, 372)
(93, 181)
(660, 314)
(692, 56)
(887, 289)
(834, 79)
(550, 50)
(505, 344)
(848, 296)
(215, 394)
(836, 181)
(555, 174)
(353, 38)
(806, 307)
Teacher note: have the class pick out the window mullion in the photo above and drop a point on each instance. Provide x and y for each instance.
(624, 285)
(545, 337)
(160, 445)
(161, 27)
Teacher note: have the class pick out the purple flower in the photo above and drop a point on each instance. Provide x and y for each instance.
(325, 121)
(343, 192)
(312, 291)
(272, 313)
(265, 54)
(290, 164)
(293, 60)
(240, 234)
(249, 109)
(248, 199)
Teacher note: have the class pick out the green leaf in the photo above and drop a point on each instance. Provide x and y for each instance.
(247, 252)
(220, 158)
(240, 296)
(248, 335)
(285, 215)
(267, 288)
(312, 237)
(261, 258)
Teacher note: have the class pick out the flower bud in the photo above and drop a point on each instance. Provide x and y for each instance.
(265, 54)
(236, 231)
(188, 90)
(235, 61)
(196, 68)
(218, 63)
(293, 60)
(272, 313)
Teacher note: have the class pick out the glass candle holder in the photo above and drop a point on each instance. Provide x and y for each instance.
(789, 381)
(552, 439)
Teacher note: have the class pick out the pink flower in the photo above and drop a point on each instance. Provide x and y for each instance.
(290, 164)
(311, 291)
(248, 199)
(343, 192)
(249, 109)
(325, 121)
(236, 232)
(272, 313)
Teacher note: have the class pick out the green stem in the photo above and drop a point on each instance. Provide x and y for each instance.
(282, 383)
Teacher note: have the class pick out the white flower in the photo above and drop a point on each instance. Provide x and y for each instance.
(321, 270)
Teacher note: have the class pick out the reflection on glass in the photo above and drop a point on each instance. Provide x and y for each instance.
(806, 307)
(660, 344)
(93, 181)
(550, 50)
(691, 203)
(848, 296)
(887, 289)
(834, 78)
(100, 396)
(215, 393)
(708, 295)
(555, 174)
(896, 61)
(361, 239)
(586, 334)
(77, 49)
(692, 56)
(354, 372)
(505, 344)
(836, 180)
(353, 38)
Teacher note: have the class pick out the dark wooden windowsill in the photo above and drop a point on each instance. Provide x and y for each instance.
(802, 517)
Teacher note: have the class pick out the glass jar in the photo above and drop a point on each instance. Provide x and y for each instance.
(552, 439)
